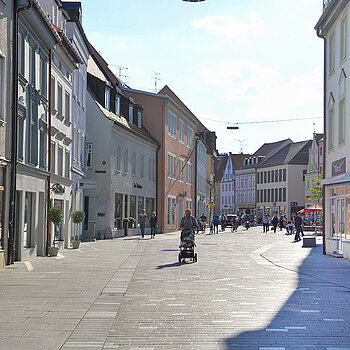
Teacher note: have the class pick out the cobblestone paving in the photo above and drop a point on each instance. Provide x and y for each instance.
(248, 290)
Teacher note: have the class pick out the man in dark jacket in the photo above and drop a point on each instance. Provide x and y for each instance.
(298, 223)
(274, 222)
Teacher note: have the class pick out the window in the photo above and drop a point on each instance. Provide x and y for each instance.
(139, 119)
(189, 137)
(189, 171)
(268, 176)
(150, 169)
(43, 76)
(341, 133)
(67, 106)
(142, 161)
(126, 161)
(107, 98)
(280, 175)
(131, 114)
(171, 165)
(265, 177)
(331, 53)
(53, 92)
(28, 219)
(280, 194)
(21, 53)
(272, 176)
(189, 204)
(268, 195)
(89, 154)
(59, 99)
(181, 131)
(32, 65)
(117, 158)
(223, 187)
(117, 105)
(53, 157)
(79, 146)
(181, 170)
(343, 29)
(330, 128)
(133, 164)
(171, 211)
(55, 15)
(67, 165)
(42, 149)
(172, 123)
(33, 137)
(272, 195)
(284, 194)
(60, 161)
(284, 175)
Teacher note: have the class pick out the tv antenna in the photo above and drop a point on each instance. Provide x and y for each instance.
(241, 144)
(121, 70)
(156, 79)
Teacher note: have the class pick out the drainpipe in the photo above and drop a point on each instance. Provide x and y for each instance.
(324, 134)
(48, 200)
(14, 131)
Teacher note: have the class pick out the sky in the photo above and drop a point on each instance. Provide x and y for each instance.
(229, 61)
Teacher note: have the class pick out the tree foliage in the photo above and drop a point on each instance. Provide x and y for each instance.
(316, 189)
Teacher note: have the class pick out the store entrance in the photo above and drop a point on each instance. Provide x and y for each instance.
(340, 232)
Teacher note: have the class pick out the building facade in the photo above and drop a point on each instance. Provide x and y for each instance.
(5, 119)
(80, 42)
(246, 178)
(279, 178)
(202, 193)
(333, 28)
(174, 126)
(121, 154)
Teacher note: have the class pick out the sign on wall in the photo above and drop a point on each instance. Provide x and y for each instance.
(87, 184)
(339, 167)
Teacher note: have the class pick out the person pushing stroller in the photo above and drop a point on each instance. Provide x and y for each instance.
(187, 224)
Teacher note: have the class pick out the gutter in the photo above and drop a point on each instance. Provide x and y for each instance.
(14, 131)
(324, 133)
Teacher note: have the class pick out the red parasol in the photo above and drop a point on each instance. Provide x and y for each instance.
(312, 208)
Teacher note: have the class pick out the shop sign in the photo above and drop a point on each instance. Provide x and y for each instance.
(87, 184)
(339, 167)
(212, 205)
(184, 194)
(293, 204)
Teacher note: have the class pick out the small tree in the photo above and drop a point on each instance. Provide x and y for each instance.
(78, 217)
(316, 193)
(55, 215)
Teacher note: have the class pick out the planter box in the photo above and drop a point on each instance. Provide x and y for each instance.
(75, 244)
(309, 241)
(53, 251)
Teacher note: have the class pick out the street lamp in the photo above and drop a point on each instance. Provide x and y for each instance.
(232, 127)
(193, 0)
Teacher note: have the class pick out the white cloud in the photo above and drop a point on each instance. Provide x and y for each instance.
(232, 27)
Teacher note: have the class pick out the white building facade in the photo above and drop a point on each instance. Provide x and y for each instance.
(333, 27)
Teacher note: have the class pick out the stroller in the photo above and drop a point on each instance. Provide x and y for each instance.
(187, 246)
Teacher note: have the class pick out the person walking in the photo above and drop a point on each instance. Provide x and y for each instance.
(153, 223)
(216, 221)
(281, 223)
(298, 224)
(274, 222)
(268, 223)
(142, 222)
(265, 224)
(203, 222)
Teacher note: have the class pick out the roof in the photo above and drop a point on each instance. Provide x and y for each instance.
(268, 148)
(238, 160)
(294, 153)
(318, 137)
(220, 166)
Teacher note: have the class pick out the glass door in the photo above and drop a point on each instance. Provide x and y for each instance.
(341, 223)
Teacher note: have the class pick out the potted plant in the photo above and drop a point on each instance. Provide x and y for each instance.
(132, 222)
(55, 215)
(77, 217)
(126, 226)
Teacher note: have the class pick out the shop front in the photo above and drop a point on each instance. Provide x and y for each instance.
(337, 219)
(2, 218)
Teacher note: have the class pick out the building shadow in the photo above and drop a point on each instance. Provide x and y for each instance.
(315, 316)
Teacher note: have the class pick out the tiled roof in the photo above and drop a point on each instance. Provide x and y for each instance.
(294, 153)
(238, 160)
(267, 148)
(220, 167)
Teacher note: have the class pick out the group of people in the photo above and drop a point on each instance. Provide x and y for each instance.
(295, 224)
(152, 223)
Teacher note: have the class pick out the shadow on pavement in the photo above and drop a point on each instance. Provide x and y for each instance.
(176, 264)
(315, 316)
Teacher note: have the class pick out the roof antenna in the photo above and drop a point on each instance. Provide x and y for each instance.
(155, 77)
(121, 70)
(314, 128)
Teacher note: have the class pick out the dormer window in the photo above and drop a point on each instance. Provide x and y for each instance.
(139, 119)
(107, 98)
(131, 114)
(117, 105)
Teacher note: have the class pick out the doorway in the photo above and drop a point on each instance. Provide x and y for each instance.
(340, 223)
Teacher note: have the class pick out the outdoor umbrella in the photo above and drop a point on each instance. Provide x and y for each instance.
(312, 208)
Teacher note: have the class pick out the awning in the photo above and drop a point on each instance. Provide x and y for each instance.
(334, 181)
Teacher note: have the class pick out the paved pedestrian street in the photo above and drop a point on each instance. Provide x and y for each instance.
(248, 290)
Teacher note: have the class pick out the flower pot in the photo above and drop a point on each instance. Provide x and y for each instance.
(75, 244)
(53, 251)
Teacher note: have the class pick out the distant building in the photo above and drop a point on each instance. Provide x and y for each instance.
(333, 27)
(246, 178)
(280, 181)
